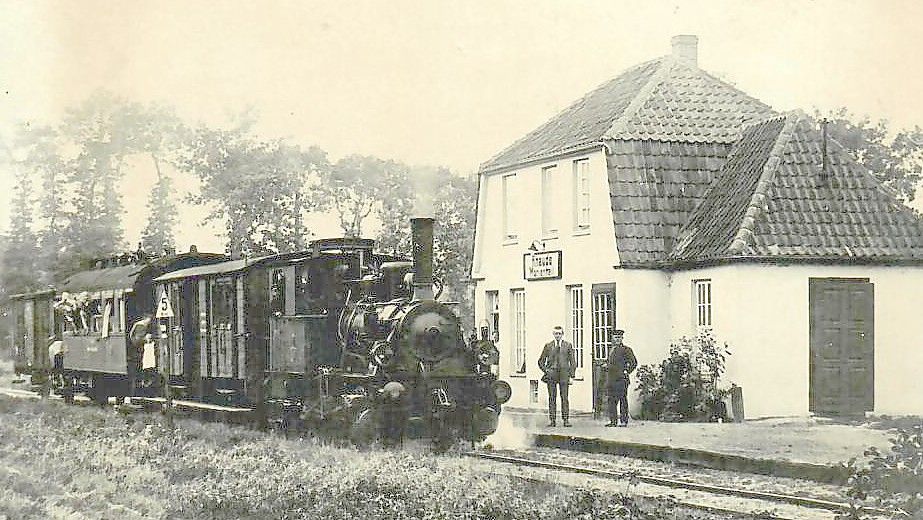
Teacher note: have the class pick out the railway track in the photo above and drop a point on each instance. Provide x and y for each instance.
(734, 500)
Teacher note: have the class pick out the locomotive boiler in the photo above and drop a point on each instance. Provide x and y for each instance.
(400, 341)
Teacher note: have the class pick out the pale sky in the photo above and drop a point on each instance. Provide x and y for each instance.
(430, 82)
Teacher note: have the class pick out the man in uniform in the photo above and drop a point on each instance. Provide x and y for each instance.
(559, 364)
(621, 363)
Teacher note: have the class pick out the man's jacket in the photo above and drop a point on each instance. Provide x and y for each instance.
(559, 363)
(622, 361)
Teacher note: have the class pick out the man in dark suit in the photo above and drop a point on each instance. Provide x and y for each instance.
(621, 363)
(559, 364)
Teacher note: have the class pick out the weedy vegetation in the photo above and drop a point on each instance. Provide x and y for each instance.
(891, 480)
(59, 461)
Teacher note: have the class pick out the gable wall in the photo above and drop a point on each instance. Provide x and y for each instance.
(761, 311)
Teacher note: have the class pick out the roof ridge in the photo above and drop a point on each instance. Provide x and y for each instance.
(761, 193)
(482, 167)
(644, 93)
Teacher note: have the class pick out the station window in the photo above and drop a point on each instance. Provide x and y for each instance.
(582, 194)
(492, 304)
(510, 209)
(533, 391)
(518, 319)
(549, 226)
(702, 296)
(575, 320)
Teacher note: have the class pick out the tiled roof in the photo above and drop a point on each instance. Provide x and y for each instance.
(654, 187)
(584, 122)
(773, 199)
(664, 99)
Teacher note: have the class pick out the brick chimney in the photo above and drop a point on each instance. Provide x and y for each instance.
(686, 48)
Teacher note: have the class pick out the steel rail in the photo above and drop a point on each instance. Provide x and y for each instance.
(813, 503)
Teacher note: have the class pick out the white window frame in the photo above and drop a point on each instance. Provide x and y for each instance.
(582, 195)
(604, 318)
(518, 330)
(575, 323)
(492, 312)
(549, 226)
(702, 304)
(510, 218)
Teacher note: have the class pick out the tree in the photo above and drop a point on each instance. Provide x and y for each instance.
(160, 137)
(262, 189)
(21, 248)
(39, 147)
(896, 159)
(101, 131)
(356, 185)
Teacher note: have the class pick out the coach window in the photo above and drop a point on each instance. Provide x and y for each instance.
(277, 293)
(96, 316)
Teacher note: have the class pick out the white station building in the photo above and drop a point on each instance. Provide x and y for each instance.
(667, 201)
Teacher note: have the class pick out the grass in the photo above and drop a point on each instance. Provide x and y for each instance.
(59, 461)
(70, 462)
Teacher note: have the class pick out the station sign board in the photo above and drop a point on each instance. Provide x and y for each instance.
(542, 265)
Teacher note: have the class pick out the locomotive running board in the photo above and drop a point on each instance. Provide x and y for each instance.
(182, 403)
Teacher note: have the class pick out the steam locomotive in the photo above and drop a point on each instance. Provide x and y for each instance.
(336, 338)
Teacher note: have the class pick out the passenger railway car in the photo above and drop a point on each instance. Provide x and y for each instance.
(95, 310)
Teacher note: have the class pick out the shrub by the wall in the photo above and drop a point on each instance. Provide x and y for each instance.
(686, 385)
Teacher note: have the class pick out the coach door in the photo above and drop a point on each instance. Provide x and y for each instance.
(842, 346)
(220, 360)
(603, 312)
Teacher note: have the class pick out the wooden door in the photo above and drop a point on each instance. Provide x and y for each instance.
(842, 361)
(603, 312)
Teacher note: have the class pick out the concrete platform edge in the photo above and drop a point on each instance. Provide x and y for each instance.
(832, 474)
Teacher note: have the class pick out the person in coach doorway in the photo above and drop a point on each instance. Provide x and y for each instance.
(621, 363)
(559, 364)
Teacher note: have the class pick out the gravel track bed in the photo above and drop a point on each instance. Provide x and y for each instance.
(745, 481)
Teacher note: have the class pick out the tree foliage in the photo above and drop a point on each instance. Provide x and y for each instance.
(261, 189)
(356, 185)
(895, 157)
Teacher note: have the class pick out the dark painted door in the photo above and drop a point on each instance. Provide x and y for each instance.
(842, 361)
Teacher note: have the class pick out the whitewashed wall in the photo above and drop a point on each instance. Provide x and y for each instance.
(588, 258)
(762, 312)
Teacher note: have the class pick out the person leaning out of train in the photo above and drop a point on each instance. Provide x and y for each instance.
(621, 363)
(559, 364)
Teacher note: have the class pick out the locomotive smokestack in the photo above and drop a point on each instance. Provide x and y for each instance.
(422, 229)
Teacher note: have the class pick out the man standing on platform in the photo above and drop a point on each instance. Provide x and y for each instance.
(559, 363)
(621, 363)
